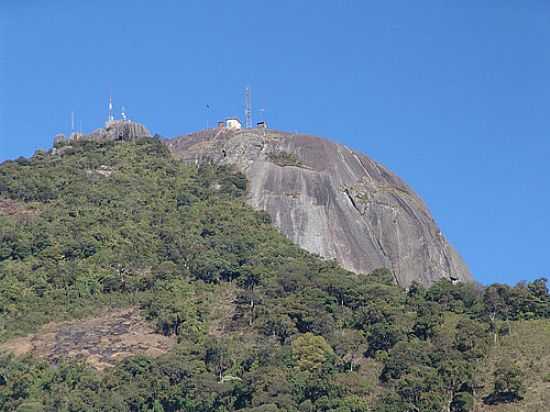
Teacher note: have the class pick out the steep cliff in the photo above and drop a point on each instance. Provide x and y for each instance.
(332, 201)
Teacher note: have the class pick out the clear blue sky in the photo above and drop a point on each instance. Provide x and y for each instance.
(452, 96)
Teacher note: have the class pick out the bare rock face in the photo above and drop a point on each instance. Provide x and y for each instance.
(113, 130)
(332, 201)
(119, 130)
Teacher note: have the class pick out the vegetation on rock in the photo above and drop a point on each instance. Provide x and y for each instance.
(281, 158)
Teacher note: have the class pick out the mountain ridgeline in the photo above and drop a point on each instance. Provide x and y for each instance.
(134, 281)
(325, 197)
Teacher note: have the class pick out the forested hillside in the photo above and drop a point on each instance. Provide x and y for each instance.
(257, 323)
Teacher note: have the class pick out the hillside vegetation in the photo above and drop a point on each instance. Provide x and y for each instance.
(260, 324)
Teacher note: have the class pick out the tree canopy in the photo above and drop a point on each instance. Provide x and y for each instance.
(261, 325)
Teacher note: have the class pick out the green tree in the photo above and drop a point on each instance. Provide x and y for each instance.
(404, 356)
(383, 336)
(462, 402)
(428, 317)
(421, 390)
(311, 351)
(509, 386)
(350, 345)
(471, 338)
(497, 303)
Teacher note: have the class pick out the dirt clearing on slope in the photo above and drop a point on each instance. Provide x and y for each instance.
(100, 341)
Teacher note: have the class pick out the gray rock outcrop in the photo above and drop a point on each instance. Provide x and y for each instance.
(113, 130)
(119, 130)
(332, 201)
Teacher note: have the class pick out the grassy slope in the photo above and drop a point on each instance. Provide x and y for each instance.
(529, 347)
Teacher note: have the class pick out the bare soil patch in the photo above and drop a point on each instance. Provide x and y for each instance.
(101, 341)
(15, 208)
(223, 311)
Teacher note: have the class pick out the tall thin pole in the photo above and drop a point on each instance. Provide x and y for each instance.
(248, 108)
(111, 117)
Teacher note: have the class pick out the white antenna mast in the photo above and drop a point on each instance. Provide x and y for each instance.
(111, 117)
(248, 108)
(72, 122)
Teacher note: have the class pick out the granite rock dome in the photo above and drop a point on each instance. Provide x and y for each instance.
(332, 201)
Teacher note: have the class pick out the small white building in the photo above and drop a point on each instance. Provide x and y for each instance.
(233, 123)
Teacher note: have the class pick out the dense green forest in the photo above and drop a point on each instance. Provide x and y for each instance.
(122, 224)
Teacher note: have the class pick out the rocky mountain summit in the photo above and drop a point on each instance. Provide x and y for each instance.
(327, 198)
(113, 130)
(120, 130)
(332, 201)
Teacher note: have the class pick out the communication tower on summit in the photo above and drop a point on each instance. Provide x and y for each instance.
(247, 108)
(111, 116)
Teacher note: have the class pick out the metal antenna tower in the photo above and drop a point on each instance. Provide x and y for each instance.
(72, 122)
(248, 108)
(111, 117)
